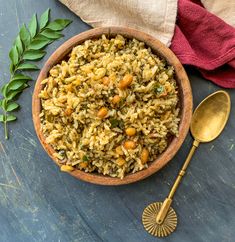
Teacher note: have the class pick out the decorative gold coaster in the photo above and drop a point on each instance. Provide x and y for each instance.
(150, 223)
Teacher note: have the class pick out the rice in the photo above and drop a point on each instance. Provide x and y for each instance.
(112, 108)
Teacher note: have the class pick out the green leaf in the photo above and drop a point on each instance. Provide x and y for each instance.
(114, 123)
(85, 158)
(50, 34)
(24, 35)
(11, 68)
(13, 54)
(12, 106)
(12, 93)
(158, 89)
(4, 89)
(19, 45)
(58, 24)
(33, 54)
(27, 66)
(40, 37)
(38, 44)
(33, 26)
(10, 118)
(1, 118)
(4, 104)
(16, 84)
(0, 102)
(121, 124)
(44, 18)
(21, 77)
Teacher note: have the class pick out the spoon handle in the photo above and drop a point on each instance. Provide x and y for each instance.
(183, 169)
(167, 203)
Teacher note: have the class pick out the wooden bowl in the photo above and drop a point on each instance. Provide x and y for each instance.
(185, 96)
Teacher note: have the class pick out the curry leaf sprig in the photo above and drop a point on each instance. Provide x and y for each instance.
(28, 46)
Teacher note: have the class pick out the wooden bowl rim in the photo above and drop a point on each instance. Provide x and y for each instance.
(185, 99)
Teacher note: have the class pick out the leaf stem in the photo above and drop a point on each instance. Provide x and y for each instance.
(5, 128)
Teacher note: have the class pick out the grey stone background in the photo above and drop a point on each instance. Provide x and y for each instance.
(39, 203)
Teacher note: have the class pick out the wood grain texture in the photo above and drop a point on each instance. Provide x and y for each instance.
(185, 103)
(40, 204)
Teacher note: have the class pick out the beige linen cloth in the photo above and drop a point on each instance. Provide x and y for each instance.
(156, 17)
(225, 9)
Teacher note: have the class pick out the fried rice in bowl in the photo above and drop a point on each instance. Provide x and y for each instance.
(110, 107)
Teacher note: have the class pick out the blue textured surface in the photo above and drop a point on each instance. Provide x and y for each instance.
(39, 203)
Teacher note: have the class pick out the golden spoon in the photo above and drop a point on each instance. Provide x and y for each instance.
(208, 121)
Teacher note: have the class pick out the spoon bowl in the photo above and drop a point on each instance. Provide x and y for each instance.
(210, 117)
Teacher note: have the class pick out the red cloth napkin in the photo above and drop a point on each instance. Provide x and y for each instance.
(203, 40)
